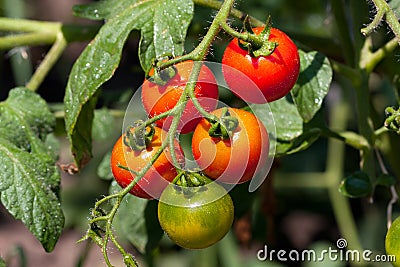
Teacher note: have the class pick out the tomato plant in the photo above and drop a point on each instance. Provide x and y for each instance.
(234, 158)
(158, 99)
(125, 161)
(274, 74)
(195, 217)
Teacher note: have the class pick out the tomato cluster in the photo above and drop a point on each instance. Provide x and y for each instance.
(229, 145)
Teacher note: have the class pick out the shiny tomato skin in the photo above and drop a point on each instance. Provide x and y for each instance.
(275, 75)
(237, 159)
(157, 99)
(156, 178)
(197, 221)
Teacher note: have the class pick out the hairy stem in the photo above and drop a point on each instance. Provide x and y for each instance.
(384, 12)
(234, 12)
(203, 47)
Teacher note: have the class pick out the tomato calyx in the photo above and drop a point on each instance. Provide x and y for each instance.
(161, 76)
(139, 136)
(190, 182)
(392, 121)
(258, 45)
(224, 126)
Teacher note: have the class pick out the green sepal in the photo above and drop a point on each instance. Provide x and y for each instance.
(162, 77)
(247, 25)
(224, 126)
(138, 137)
(190, 182)
(392, 121)
(258, 45)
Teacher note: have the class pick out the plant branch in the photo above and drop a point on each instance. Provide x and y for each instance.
(234, 12)
(26, 39)
(26, 25)
(200, 52)
(380, 131)
(352, 74)
(334, 171)
(48, 62)
(349, 138)
(31, 32)
(369, 60)
(365, 129)
(384, 12)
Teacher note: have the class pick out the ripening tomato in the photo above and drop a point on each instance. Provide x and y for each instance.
(156, 178)
(274, 75)
(198, 220)
(158, 99)
(234, 160)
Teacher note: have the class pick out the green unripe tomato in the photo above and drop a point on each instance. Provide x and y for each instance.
(392, 242)
(197, 217)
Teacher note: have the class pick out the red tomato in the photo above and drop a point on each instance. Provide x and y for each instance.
(275, 75)
(156, 178)
(234, 160)
(158, 99)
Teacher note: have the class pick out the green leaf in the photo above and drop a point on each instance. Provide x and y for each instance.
(313, 83)
(104, 168)
(292, 134)
(163, 24)
(357, 184)
(103, 124)
(2, 262)
(53, 146)
(298, 144)
(29, 179)
(288, 122)
(137, 221)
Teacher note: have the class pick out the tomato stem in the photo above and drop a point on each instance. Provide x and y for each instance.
(234, 12)
(384, 12)
(256, 44)
(200, 52)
